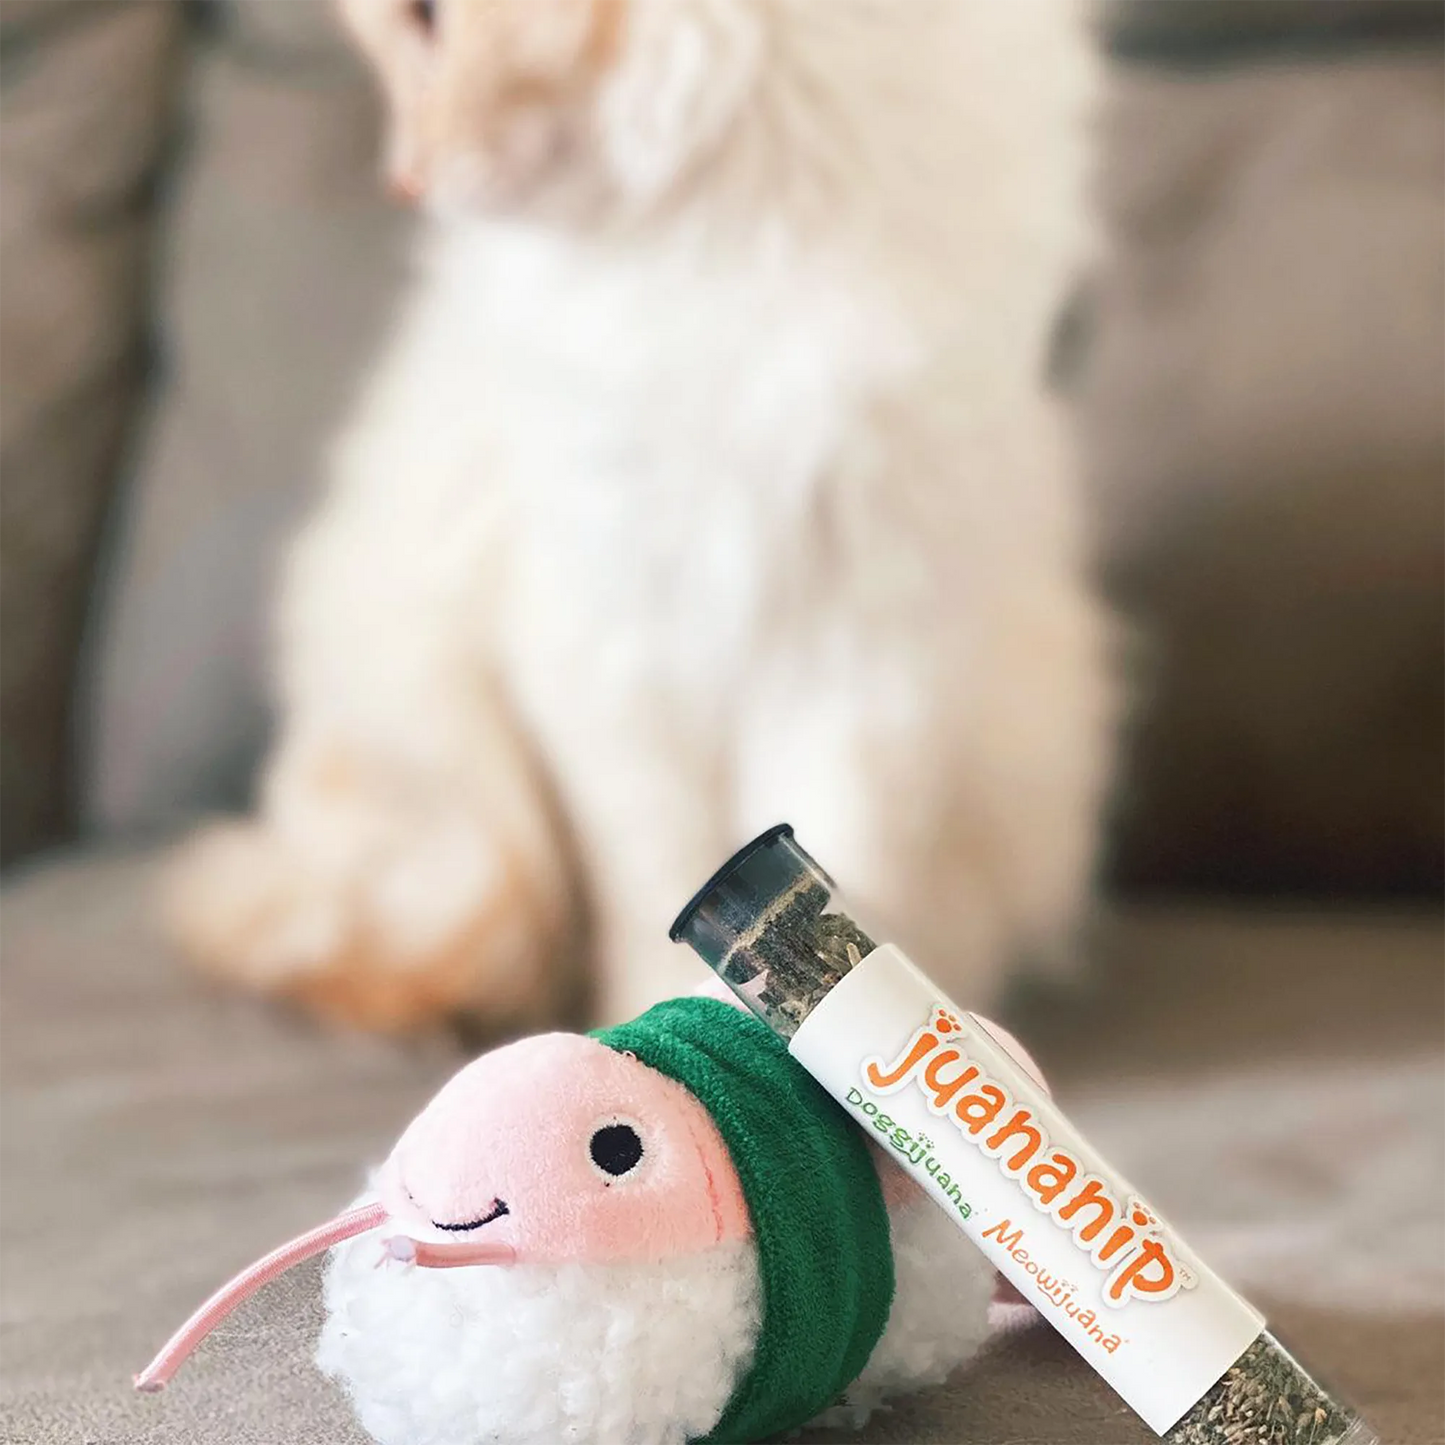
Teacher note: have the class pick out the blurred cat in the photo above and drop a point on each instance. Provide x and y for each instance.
(708, 481)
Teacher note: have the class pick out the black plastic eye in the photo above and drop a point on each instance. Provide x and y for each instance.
(616, 1149)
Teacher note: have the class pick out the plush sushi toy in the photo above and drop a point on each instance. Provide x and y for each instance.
(660, 1233)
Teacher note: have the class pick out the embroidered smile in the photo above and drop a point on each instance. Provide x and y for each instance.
(498, 1209)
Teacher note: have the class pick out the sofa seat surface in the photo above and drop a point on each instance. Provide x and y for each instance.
(1274, 1079)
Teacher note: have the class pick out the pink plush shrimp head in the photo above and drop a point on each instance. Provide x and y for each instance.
(672, 1211)
(632, 1165)
(635, 1169)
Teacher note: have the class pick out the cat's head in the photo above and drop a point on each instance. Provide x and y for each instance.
(558, 109)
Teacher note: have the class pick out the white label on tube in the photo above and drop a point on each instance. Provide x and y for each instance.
(945, 1100)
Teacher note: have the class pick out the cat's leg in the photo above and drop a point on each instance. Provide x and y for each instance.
(948, 762)
(653, 827)
(969, 840)
(651, 822)
(639, 886)
(959, 807)
(405, 863)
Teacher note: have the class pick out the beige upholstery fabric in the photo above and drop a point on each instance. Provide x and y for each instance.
(1275, 1082)
(86, 95)
(279, 271)
(1201, 32)
(1262, 424)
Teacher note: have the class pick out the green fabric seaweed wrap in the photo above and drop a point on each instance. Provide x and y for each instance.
(820, 1224)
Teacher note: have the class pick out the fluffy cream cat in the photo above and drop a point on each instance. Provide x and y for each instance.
(708, 481)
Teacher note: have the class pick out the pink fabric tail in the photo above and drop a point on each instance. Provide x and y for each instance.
(174, 1352)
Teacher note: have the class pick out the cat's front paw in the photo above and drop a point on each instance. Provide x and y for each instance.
(415, 925)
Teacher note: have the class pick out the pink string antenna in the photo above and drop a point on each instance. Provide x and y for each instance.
(399, 1248)
(174, 1352)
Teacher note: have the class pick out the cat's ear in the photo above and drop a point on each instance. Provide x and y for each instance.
(685, 70)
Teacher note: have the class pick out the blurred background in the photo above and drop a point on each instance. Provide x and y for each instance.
(197, 267)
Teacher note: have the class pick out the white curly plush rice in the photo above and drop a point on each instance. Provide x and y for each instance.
(612, 1354)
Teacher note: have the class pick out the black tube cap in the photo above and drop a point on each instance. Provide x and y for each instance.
(738, 894)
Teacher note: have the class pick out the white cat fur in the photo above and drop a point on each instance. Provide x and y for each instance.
(710, 484)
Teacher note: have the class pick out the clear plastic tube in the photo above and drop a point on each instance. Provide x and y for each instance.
(771, 924)
(1268, 1397)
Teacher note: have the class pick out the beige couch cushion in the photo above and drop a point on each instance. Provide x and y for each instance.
(1193, 33)
(279, 272)
(87, 93)
(1262, 423)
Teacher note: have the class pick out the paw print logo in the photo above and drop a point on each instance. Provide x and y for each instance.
(946, 1023)
(1141, 1214)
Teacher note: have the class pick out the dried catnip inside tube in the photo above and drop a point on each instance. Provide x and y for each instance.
(771, 925)
(766, 924)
